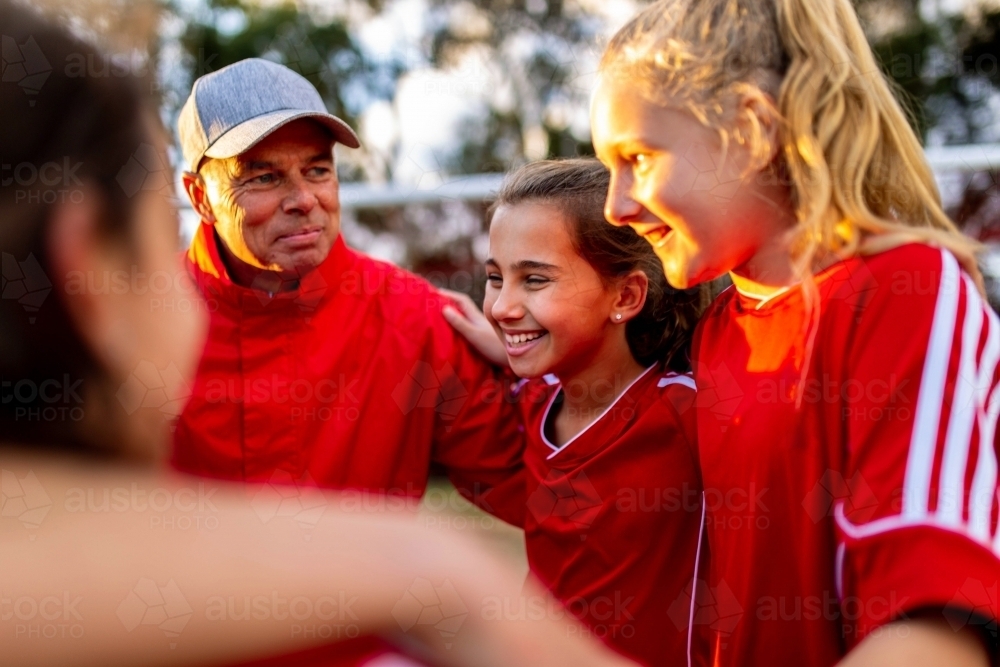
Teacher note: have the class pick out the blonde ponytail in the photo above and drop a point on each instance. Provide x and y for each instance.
(856, 169)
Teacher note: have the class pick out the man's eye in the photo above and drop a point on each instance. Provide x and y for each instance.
(319, 171)
(263, 179)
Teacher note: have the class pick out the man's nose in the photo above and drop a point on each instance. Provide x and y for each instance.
(300, 198)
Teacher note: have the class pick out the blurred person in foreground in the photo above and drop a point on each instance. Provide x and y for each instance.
(88, 582)
(323, 365)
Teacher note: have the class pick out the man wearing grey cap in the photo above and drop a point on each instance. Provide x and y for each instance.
(323, 366)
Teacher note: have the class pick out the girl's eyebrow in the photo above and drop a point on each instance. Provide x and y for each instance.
(525, 264)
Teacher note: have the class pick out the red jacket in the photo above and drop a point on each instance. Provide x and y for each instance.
(353, 381)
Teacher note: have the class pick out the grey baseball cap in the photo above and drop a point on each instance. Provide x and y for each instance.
(232, 109)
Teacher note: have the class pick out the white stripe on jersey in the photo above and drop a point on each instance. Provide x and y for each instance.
(985, 478)
(674, 378)
(964, 408)
(988, 408)
(694, 580)
(898, 522)
(975, 402)
(923, 443)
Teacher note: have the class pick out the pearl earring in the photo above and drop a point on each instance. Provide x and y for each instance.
(618, 316)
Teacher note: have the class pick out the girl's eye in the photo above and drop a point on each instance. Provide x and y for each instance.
(494, 279)
(641, 160)
(536, 281)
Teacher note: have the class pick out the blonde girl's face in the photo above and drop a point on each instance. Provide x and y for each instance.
(548, 305)
(673, 184)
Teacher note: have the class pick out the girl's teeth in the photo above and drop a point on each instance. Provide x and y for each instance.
(519, 339)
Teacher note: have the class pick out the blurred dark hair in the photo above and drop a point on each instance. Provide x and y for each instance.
(578, 187)
(63, 136)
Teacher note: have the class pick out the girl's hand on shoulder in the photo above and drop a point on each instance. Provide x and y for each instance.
(469, 321)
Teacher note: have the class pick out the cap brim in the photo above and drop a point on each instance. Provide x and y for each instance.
(245, 135)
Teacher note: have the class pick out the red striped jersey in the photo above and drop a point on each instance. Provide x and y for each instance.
(613, 515)
(849, 458)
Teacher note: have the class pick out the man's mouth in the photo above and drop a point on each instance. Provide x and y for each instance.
(303, 236)
(520, 342)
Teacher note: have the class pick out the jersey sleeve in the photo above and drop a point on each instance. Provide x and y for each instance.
(478, 437)
(917, 399)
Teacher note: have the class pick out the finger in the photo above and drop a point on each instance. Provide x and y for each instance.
(465, 303)
(456, 319)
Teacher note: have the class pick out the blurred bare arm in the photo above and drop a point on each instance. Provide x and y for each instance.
(133, 590)
(918, 642)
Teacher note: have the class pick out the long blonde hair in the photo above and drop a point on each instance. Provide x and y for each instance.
(856, 170)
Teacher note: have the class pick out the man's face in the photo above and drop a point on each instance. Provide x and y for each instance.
(277, 205)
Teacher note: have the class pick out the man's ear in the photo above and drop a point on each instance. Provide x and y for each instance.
(632, 291)
(194, 185)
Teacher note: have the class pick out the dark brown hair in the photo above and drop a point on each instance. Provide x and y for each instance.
(578, 187)
(63, 136)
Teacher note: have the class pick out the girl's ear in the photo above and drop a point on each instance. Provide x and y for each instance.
(632, 290)
(757, 129)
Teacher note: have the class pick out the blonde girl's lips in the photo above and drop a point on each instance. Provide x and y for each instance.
(657, 236)
(517, 345)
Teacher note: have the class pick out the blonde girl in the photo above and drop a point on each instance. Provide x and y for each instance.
(847, 382)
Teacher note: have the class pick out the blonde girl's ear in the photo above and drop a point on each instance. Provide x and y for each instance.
(758, 128)
(632, 290)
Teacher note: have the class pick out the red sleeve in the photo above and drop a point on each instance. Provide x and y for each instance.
(478, 436)
(917, 526)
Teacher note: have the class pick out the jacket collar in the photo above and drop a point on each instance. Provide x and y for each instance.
(209, 271)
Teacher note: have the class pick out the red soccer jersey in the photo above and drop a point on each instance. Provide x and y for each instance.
(612, 526)
(849, 458)
(352, 381)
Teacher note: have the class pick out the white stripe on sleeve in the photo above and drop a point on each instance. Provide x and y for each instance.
(923, 442)
(964, 408)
